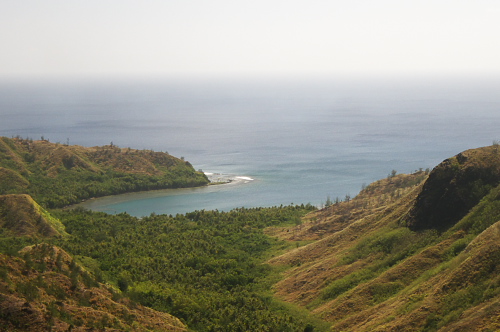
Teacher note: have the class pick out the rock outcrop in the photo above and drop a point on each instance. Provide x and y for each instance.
(454, 187)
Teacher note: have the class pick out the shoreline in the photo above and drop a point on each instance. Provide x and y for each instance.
(217, 180)
(220, 178)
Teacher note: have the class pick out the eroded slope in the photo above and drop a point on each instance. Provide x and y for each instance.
(45, 290)
(370, 272)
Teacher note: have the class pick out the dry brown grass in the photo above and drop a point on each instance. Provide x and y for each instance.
(57, 303)
(424, 280)
(52, 156)
(316, 264)
(372, 200)
(22, 216)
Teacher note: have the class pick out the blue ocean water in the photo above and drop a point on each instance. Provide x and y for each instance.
(301, 141)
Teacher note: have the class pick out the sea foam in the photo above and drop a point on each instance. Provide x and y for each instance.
(244, 178)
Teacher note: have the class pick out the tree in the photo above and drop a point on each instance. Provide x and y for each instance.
(123, 284)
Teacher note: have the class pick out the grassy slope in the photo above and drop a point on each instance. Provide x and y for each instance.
(45, 290)
(56, 175)
(372, 273)
(356, 264)
(20, 215)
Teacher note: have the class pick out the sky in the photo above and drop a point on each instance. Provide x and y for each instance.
(190, 38)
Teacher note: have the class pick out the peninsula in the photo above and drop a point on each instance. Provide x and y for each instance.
(56, 175)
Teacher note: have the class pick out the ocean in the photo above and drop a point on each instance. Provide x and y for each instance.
(291, 141)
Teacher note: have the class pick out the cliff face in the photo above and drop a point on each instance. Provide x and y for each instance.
(454, 187)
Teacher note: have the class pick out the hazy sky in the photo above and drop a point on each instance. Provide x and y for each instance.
(222, 37)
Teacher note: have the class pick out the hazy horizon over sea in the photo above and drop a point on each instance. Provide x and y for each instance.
(300, 141)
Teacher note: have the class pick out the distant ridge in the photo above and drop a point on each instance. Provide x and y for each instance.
(57, 174)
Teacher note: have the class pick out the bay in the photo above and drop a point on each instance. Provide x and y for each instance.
(301, 141)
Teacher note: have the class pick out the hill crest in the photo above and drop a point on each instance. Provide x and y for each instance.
(454, 187)
(56, 175)
(22, 216)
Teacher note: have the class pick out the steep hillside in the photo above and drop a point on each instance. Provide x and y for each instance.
(20, 215)
(412, 252)
(205, 267)
(454, 187)
(374, 198)
(373, 273)
(56, 175)
(45, 290)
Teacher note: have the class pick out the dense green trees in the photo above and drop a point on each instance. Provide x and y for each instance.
(71, 187)
(205, 267)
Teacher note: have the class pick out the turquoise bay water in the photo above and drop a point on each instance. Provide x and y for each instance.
(300, 141)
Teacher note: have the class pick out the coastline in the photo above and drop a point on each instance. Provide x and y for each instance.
(220, 178)
(218, 181)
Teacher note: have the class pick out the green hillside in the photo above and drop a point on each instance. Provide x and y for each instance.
(56, 175)
(412, 252)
